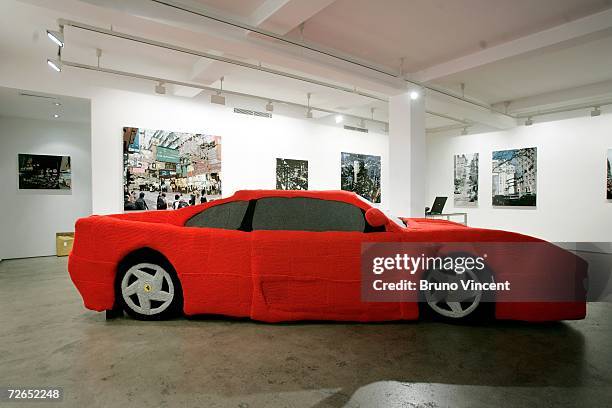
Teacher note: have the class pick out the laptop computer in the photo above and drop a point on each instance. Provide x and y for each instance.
(437, 206)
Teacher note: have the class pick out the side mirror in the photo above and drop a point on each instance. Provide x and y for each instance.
(376, 218)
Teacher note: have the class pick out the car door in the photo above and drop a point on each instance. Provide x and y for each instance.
(221, 282)
(306, 261)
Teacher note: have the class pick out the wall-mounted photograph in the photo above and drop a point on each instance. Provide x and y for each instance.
(466, 180)
(44, 172)
(515, 177)
(361, 173)
(159, 165)
(291, 174)
(609, 161)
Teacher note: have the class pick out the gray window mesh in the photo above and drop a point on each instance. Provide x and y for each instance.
(224, 216)
(306, 214)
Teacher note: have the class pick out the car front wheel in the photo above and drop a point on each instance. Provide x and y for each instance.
(150, 291)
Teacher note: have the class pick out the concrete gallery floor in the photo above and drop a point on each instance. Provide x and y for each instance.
(49, 339)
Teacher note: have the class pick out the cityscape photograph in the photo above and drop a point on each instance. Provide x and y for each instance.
(361, 173)
(44, 172)
(169, 170)
(609, 195)
(291, 174)
(466, 180)
(515, 177)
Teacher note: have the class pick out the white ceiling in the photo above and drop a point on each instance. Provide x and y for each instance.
(442, 41)
(428, 32)
(37, 105)
(548, 70)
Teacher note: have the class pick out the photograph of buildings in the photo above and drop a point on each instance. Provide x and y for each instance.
(466, 180)
(515, 177)
(43, 172)
(361, 173)
(159, 165)
(291, 174)
(609, 161)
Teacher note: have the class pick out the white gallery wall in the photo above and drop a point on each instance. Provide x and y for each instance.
(250, 145)
(571, 179)
(31, 218)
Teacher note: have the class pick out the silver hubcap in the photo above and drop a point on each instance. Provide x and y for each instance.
(455, 303)
(147, 289)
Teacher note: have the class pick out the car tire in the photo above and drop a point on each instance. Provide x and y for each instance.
(459, 306)
(147, 288)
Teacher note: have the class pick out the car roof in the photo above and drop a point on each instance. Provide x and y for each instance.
(323, 194)
(335, 195)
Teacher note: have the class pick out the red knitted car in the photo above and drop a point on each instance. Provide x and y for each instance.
(272, 256)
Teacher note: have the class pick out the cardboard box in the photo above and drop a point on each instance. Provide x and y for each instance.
(63, 243)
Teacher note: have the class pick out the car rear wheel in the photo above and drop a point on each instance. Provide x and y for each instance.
(149, 290)
(458, 305)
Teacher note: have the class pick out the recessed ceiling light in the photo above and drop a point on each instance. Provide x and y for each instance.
(414, 95)
(56, 36)
(55, 65)
(339, 118)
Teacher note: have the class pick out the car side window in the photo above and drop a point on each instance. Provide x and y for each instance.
(307, 214)
(223, 216)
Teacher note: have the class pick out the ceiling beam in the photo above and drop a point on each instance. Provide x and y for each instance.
(468, 112)
(282, 16)
(562, 33)
(590, 93)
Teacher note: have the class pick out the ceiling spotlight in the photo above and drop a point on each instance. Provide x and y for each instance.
(414, 95)
(269, 107)
(217, 99)
(464, 132)
(160, 88)
(339, 118)
(596, 111)
(308, 110)
(57, 37)
(529, 121)
(55, 64)
(56, 115)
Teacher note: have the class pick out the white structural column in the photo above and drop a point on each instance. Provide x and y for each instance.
(407, 155)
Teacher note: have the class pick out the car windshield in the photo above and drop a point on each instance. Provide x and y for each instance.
(391, 217)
